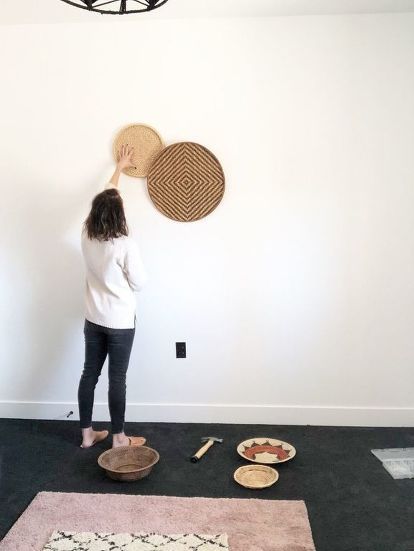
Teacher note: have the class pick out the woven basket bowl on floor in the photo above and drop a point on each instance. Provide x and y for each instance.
(256, 477)
(267, 451)
(128, 463)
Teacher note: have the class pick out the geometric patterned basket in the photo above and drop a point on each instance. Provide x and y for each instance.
(186, 181)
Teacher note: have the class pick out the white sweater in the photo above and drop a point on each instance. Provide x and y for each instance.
(114, 270)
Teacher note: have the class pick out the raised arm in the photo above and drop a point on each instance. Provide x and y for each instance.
(125, 160)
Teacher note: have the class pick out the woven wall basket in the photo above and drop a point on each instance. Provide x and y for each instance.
(147, 145)
(186, 182)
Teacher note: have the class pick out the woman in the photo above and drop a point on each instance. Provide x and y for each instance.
(114, 270)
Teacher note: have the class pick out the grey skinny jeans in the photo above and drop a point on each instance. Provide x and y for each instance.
(101, 342)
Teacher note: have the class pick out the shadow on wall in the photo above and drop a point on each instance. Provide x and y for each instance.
(47, 281)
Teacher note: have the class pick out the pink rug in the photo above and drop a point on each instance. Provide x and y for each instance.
(251, 524)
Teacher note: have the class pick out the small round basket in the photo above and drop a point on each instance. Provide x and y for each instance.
(147, 144)
(128, 463)
(256, 477)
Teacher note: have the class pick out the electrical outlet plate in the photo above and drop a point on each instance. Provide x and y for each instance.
(180, 350)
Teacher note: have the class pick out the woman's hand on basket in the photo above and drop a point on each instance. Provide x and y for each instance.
(126, 157)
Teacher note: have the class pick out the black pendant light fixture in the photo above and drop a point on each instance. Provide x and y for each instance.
(117, 7)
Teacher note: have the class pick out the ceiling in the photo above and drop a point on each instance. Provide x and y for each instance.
(56, 11)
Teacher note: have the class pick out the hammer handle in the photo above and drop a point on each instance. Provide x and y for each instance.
(202, 451)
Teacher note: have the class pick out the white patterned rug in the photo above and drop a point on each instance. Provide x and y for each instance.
(90, 541)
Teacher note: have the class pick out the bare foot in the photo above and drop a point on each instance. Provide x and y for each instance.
(91, 437)
(123, 440)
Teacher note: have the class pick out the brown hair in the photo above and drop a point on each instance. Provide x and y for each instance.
(107, 217)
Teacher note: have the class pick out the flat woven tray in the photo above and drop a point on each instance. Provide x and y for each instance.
(147, 145)
(256, 477)
(186, 181)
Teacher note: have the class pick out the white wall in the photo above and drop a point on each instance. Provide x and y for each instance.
(296, 296)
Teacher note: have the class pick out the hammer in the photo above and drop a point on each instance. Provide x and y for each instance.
(209, 442)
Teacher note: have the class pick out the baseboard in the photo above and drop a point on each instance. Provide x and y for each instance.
(222, 413)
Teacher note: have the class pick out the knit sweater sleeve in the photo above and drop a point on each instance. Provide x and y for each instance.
(133, 266)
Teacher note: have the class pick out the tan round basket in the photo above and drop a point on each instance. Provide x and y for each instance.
(147, 145)
(256, 477)
(128, 463)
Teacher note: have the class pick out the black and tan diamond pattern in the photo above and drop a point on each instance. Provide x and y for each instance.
(186, 181)
(91, 541)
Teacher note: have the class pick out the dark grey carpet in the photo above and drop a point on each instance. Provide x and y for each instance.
(353, 503)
